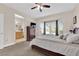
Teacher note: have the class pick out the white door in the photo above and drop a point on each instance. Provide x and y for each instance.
(1, 30)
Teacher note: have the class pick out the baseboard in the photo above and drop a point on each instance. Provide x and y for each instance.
(9, 44)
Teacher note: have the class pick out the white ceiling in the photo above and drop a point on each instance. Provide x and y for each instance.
(55, 8)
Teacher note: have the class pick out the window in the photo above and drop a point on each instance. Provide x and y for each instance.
(60, 27)
(42, 28)
(52, 27)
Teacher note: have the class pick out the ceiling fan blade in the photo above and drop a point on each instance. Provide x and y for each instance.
(34, 7)
(46, 6)
(38, 3)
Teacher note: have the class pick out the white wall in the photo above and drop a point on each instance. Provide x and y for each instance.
(1, 30)
(65, 17)
(76, 13)
(9, 29)
(9, 24)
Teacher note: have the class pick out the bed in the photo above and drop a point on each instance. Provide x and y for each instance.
(53, 47)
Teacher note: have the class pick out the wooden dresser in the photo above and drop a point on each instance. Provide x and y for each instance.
(30, 33)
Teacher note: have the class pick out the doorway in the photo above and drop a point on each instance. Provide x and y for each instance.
(19, 33)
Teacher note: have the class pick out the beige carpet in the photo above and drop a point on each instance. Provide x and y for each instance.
(19, 49)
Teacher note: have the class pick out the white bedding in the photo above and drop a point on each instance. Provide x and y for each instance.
(57, 46)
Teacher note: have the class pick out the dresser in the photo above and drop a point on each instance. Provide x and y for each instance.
(30, 33)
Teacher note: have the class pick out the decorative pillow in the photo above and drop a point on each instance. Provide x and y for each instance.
(61, 36)
(64, 36)
(72, 38)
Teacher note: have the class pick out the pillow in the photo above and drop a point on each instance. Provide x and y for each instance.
(64, 36)
(61, 36)
(72, 38)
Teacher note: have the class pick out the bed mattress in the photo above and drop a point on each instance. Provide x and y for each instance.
(59, 47)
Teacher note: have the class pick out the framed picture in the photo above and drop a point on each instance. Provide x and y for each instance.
(74, 19)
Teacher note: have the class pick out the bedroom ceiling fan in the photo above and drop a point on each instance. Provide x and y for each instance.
(40, 6)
